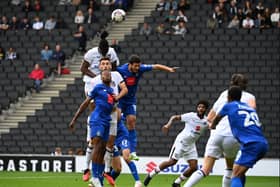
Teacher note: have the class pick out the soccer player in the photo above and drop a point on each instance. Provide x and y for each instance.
(99, 121)
(184, 144)
(122, 145)
(90, 69)
(90, 65)
(221, 141)
(246, 128)
(132, 72)
(120, 90)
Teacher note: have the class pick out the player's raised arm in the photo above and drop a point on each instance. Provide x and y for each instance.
(163, 68)
(80, 110)
(85, 69)
(166, 127)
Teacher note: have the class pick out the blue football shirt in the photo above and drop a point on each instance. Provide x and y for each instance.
(131, 81)
(244, 122)
(104, 103)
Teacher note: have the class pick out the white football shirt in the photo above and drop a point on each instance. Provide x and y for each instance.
(116, 80)
(93, 57)
(194, 127)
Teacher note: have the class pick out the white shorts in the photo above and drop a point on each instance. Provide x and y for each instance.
(187, 152)
(219, 145)
(113, 125)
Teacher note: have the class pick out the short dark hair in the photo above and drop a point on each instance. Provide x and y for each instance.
(134, 59)
(203, 102)
(240, 80)
(105, 58)
(234, 93)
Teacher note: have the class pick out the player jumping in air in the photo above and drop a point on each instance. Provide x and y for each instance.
(99, 121)
(132, 73)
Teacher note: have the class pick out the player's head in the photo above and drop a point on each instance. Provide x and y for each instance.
(106, 77)
(234, 93)
(201, 107)
(103, 46)
(134, 63)
(105, 64)
(240, 80)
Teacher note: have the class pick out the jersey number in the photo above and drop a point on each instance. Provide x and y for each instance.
(251, 118)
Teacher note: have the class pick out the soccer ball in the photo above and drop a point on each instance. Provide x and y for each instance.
(118, 15)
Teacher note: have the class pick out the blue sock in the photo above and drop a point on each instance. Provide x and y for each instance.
(243, 180)
(97, 171)
(132, 139)
(236, 182)
(101, 170)
(133, 171)
(114, 174)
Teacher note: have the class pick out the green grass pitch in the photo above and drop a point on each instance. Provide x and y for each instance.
(40, 179)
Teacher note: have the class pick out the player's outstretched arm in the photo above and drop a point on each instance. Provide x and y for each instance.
(166, 127)
(80, 110)
(84, 69)
(164, 68)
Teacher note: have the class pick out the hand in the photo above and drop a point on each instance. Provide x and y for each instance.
(116, 98)
(72, 126)
(173, 69)
(165, 129)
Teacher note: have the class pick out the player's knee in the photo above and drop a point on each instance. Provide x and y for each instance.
(118, 169)
(126, 156)
(131, 120)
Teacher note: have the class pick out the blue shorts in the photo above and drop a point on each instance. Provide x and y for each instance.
(99, 129)
(250, 153)
(128, 109)
(120, 145)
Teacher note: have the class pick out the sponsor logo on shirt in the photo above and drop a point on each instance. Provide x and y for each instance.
(110, 99)
(130, 81)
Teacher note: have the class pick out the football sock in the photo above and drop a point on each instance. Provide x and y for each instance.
(88, 155)
(114, 174)
(133, 171)
(227, 178)
(108, 159)
(101, 170)
(97, 171)
(133, 140)
(236, 182)
(155, 171)
(243, 180)
(180, 179)
(194, 178)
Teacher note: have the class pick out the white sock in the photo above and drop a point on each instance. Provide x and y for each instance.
(227, 178)
(88, 155)
(108, 159)
(180, 179)
(194, 178)
(154, 172)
